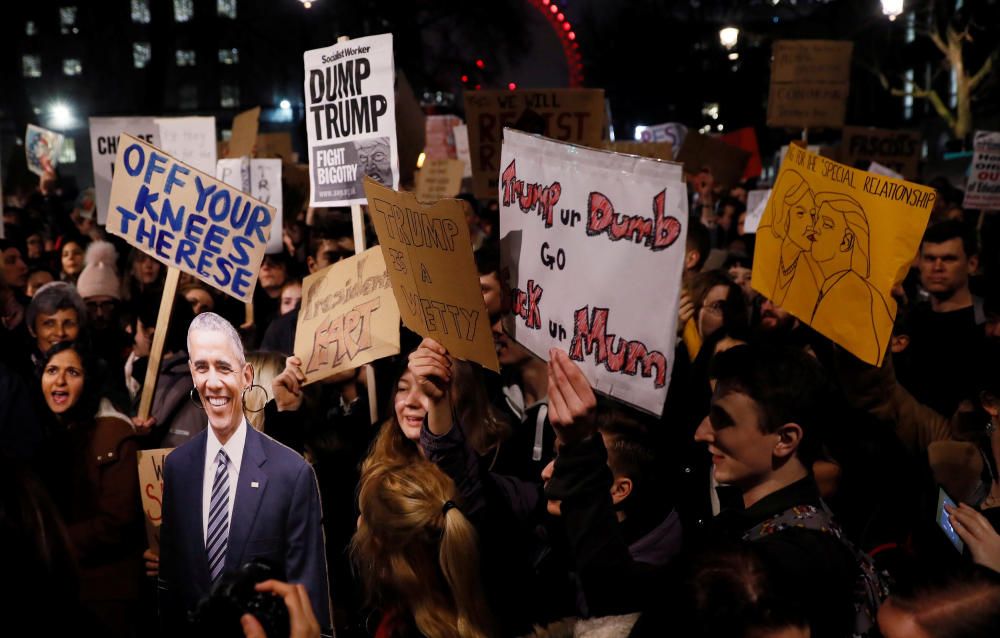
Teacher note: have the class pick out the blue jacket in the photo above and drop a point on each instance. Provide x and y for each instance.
(276, 517)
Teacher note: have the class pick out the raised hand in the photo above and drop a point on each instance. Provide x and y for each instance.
(287, 386)
(430, 366)
(572, 404)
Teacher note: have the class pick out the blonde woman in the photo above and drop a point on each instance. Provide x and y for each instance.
(418, 555)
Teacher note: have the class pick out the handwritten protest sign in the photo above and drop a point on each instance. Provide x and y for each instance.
(461, 133)
(983, 188)
(439, 179)
(592, 246)
(261, 179)
(187, 219)
(832, 243)
(41, 144)
(350, 119)
(151, 489)
(570, 115)
(673, 132)
(810, 81)
(439, 139)
(104, 132)
(190, 140)
(349, 316)
(897, 150)
(726, 161)
(428, 253)
(244, 133)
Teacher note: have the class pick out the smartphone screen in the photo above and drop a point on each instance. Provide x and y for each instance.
(944, 521)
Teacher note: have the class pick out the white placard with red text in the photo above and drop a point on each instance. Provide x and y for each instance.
(592, 246)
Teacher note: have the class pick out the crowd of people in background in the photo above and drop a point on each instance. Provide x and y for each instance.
(787, 490)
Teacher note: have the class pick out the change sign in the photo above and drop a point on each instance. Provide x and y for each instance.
(350, 119)
(187, 219)
(592, 246)
(104, 132)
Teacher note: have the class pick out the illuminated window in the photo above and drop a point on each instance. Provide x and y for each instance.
(186, 57)
(140, 11)
(30, 28)
(72, 66)
(31, 66)
(230, 96)
(142, 52)
(67, 20)
(229, 56)
(183, 10)
(226, 8)
(67, 155)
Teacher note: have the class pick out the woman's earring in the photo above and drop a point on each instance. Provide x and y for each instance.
(195, 399)
(263, 403)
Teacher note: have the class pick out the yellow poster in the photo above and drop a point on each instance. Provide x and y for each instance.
(833, 242)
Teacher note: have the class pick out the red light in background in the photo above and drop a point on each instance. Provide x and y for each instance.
(571, 35)
(480, 64)
(465, 78)
(479, 86)
(512, 86)
(566, 26)
(560, 17)
(554, 9)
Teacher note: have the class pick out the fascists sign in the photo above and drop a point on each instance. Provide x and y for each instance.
(569, 115)
(983, 188)
(897, 150)
(104, 132)
(428, 254)
(592, 247)
(832, 243)
(187, 219)
(810, 80)
(348, 318)
(351, 119)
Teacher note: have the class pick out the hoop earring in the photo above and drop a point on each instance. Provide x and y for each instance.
(243, 398)
(196, 401)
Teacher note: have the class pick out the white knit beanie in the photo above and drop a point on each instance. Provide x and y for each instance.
(99, 277)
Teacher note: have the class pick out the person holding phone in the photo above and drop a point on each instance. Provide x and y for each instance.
(978, 533)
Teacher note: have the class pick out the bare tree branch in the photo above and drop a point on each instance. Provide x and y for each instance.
(981, 74)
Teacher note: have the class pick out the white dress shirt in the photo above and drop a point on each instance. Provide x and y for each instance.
(234, 450)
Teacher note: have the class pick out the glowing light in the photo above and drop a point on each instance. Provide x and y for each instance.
(285, 105)
(560, 17)
(571, 35)
(420, 159)
(554, 9)
(566, 26)
(465, 78)
(480, 64)
(734, 56)
(892, 8)
(512, 85)
(61, 115)
(729, 36)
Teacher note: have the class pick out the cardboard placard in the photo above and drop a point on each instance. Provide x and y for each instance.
(349, 316)
(725, 160)
(41, 144)
(439, 179)
(569, 115)
(810, 82)
(190, 140)
(187, 219)
(428, 254)
(592, 246)
(350, 119)
(275, 145)
(104, 132)
(244, 133)
(151, 489)
(896, 150)
(261, 179)
(832, 244)
(983, 188)
(653, 150)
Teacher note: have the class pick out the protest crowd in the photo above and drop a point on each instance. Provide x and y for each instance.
(781, 469)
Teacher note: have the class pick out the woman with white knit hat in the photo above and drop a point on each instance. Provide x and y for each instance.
(99, 284)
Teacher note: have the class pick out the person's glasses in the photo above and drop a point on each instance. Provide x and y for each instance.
(101, 306)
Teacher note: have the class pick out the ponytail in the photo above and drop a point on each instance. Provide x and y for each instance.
(459, 561)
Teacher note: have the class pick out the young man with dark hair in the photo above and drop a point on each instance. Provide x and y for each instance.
(764, 430)
(947, 335)
(697, 246)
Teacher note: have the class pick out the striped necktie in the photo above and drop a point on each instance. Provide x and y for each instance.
(217, 541)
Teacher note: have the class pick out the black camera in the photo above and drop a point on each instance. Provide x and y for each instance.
(218, 614)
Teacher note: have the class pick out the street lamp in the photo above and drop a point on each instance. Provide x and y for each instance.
(892, 8)
(728, 36)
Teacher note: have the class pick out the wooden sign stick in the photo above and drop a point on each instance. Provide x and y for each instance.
(159, 338)
(358, 222)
